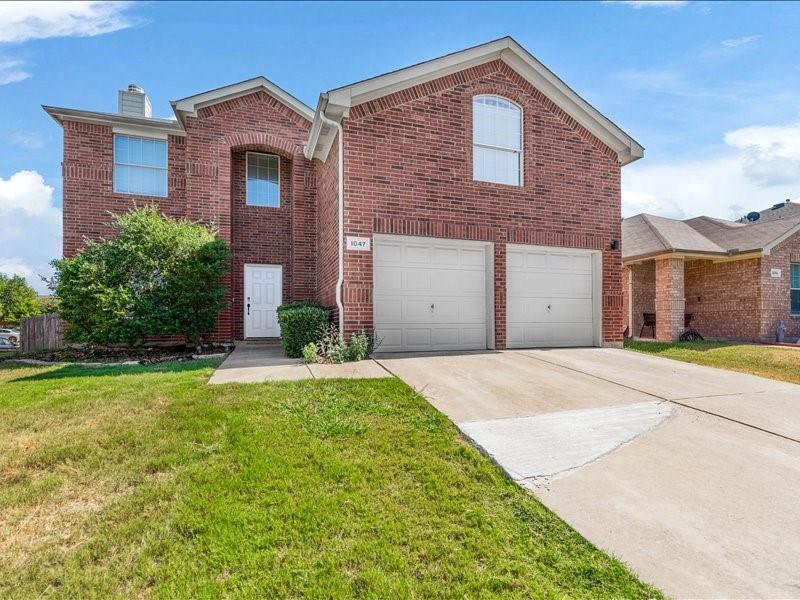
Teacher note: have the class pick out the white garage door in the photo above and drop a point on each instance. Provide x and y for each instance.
(551, 297)
(429, 294)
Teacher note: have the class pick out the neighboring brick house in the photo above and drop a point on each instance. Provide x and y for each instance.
(468, 202)
(737, 280)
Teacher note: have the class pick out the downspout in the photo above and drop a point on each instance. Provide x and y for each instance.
(340, 280)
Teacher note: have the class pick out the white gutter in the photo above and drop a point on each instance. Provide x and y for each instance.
(340, 280)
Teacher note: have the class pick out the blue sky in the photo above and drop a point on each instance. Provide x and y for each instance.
(712, 90)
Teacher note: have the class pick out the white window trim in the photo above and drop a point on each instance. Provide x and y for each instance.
(521, 150)
(114, 163)
(247, 168)
(791, 289)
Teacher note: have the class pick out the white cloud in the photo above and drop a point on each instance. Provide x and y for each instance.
(12, 70)
(637, 4)
(30, 227)
(740, 41)
(29, 141)
(21, 21)
(771, 153)
(760, 167)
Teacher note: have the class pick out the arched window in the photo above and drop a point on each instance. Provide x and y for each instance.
(496, 140)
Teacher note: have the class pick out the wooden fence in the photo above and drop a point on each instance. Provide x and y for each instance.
(44, 332)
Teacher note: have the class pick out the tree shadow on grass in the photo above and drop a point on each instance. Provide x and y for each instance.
(78, 370)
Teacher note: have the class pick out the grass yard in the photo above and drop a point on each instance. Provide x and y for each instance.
(774, 362)
(144, 481)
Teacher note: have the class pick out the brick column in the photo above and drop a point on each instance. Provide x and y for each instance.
(669, 298)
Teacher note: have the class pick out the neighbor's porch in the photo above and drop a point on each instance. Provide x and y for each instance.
(718, 298)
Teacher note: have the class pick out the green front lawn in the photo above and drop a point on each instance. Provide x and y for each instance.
(775, 362)
(144, 481)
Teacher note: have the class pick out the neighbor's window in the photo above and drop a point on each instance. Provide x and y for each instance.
(794, 285)
(496, 140)
(140, 165)
(263, 179)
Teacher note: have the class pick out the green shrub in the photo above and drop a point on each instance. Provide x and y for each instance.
(301, 323)
(310, 354)
(360, 346)
(156, 276)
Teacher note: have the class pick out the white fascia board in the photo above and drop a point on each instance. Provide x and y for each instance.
(401, 79)
(516, 57)
(570, 102)
(140, 132)
(189, 106)
(766, 250)
(144, 126)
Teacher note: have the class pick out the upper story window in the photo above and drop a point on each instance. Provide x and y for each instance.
(140, 165)
(263, 179)
(496, 140)
(794, 285)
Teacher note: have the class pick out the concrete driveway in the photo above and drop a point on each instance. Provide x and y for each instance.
(691, 475)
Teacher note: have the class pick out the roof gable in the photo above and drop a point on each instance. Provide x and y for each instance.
(336, 103)
(188, 107)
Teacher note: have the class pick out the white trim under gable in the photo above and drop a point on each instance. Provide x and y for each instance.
(766, 250)
(336, 103)
(189, 106)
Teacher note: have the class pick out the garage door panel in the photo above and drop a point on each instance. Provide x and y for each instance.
(417, 254)
(551, 299)
(569, 285)
(439, 300)
(571, 310)
(473, 257)
(570, 263)
(388, 254)
(389, 310)
(445, 256)
(416, 281)
(389, 280)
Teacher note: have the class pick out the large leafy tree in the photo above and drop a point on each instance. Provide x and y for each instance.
(156, 276)
(17, 300)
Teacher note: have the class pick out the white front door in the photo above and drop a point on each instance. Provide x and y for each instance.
(430, 294)
(262, 296)
(552, 297)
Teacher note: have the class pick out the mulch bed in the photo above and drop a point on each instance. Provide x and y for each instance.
(104, 355)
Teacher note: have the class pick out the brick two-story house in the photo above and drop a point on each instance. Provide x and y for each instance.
(468, 202)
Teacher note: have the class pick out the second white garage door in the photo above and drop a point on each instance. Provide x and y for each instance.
(429, 294)
(552, 298)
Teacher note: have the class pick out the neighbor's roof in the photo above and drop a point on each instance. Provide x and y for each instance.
(646, 236)
(336, 103)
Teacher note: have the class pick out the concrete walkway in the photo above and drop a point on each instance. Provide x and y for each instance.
(689, 474)
(255, 362)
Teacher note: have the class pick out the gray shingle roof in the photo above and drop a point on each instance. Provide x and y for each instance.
(648, 235)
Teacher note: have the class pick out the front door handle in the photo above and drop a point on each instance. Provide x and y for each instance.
(248, 306)
(431, 306)
(548, 307)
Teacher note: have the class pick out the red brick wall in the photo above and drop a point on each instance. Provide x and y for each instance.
(89, 198)
(328, 228)
(723, 298)
(775, 291)
(669, 298)
(205, 184)
(408, 170)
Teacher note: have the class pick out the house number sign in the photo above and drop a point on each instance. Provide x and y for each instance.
(360, 244)
(775, 273)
